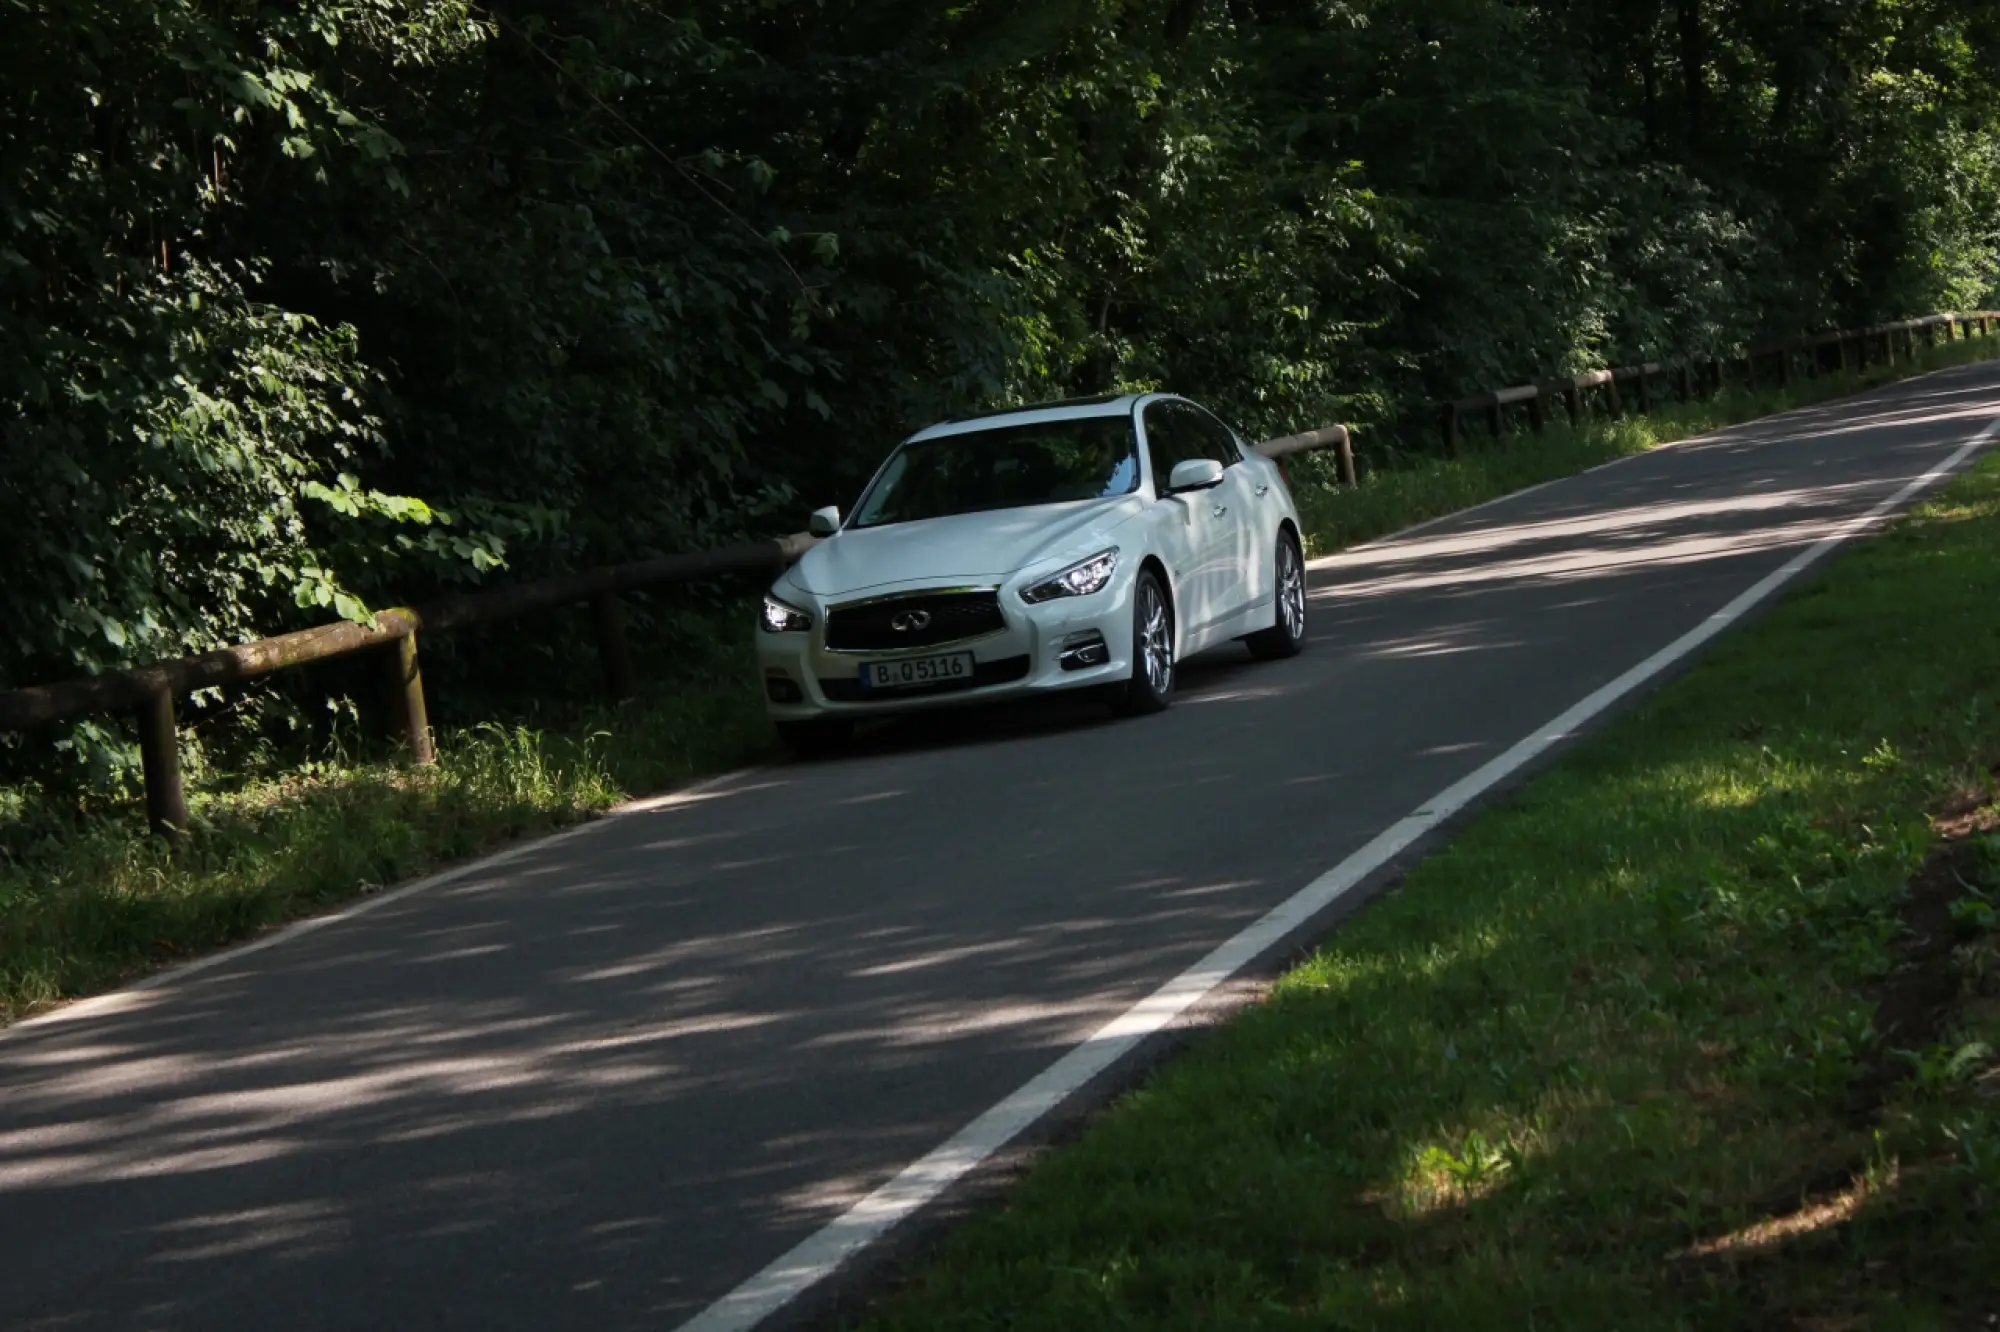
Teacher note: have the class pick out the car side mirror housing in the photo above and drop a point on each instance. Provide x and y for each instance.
(1194, 474)
(824, 522)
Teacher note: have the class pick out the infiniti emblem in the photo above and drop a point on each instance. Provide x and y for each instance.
(909, 622)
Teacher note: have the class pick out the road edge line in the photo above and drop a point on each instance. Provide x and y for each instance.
(829, 1248)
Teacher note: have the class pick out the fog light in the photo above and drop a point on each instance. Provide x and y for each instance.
(1082, 651)
(779, 688)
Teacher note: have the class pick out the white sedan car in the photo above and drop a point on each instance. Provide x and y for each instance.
(1083, 544)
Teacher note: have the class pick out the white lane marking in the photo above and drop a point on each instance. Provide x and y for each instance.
(823, 1252)
(129, 996)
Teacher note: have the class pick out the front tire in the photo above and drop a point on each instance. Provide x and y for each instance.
(1286, 638)
(1151, 687)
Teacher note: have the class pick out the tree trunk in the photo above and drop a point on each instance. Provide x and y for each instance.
(1694, 72)
(1180, 21)
(1652, 118)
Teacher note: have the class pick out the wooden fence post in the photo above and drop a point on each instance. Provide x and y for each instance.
(1538, 413)
(1645, 391)
(1687, 382)
(406, 696)
(1611, 397)
(1573, 402)
(613, 653)
(1344, 452)
(1493, 421)
(1448, 421)
(160, 759)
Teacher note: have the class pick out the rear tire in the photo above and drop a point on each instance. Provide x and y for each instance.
(1151, 687)
(817, 738)
(1286, 638)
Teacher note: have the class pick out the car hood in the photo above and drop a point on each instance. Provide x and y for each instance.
(988, 545)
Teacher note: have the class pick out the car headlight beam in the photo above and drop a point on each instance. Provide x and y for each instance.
(778, 618)
(1079, 580)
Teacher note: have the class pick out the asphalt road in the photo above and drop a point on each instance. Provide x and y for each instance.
(599, 1084)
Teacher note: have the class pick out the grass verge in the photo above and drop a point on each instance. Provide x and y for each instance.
(86, 901)
(1698, 1029)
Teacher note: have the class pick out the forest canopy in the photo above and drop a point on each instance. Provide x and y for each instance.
(312, 305)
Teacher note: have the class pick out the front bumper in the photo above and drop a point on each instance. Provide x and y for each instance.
(1039, 648)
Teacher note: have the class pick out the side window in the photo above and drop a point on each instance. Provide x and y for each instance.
(1218, 442)
(1170, 438)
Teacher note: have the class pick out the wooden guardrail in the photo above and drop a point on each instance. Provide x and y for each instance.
(150, 692)
(1335, 437)
(1852, 347)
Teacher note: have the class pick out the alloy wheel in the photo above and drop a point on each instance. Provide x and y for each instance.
(1292, 590)
(1156, 639)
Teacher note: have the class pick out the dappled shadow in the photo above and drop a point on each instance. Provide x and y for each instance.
(597, 1084)
(1666, 508)
(499, 1089)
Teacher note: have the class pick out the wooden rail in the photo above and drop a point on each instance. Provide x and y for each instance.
(1852, 348)
(149, 692)
(1335, 437)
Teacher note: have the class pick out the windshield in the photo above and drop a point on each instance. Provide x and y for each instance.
(1005, 467)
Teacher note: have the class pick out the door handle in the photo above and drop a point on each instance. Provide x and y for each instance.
(1221, 509)
(1263, 491)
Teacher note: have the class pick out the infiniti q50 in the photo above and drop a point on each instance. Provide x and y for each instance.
(1088, 544)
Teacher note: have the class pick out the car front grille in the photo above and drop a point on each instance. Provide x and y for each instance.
(1004, 671)
(922, 619)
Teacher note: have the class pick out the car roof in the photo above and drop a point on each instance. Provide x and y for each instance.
(1065, 409)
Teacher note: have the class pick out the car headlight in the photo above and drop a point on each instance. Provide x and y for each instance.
(1079, 580)
(778, 618)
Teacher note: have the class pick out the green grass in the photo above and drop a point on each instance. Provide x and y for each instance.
(87, 900)
(1614, 1056)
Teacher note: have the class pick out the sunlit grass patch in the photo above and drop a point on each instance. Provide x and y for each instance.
(1598, 1061)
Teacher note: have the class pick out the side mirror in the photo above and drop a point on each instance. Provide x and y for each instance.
(1194, 474)
(824, 522)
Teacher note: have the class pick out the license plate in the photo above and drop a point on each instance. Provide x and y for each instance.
(916, 672)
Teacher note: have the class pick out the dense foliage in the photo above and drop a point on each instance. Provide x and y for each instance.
(308, 305)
